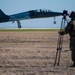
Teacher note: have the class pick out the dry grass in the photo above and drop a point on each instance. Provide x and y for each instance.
(33, 53)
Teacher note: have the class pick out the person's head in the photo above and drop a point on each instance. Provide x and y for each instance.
(72, 15)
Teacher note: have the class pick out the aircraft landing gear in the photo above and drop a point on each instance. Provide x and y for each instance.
(54, 21)
(19, 24)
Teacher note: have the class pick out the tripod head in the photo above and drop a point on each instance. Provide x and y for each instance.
(65, 13)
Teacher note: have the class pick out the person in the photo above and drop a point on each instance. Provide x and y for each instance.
(70, 28)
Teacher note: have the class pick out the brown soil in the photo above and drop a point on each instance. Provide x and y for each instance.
(33, 53)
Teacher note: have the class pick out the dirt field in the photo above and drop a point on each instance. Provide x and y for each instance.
(33, 53)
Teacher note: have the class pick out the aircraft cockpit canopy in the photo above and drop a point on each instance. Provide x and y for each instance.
(40, 10)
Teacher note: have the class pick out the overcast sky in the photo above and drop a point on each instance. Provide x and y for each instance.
(16, 6)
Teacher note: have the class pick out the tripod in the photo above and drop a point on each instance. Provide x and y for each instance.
(60, 42)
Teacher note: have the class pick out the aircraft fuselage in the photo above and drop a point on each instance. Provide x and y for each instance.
(32, 14)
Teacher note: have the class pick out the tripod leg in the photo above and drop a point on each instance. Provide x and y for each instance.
(56, 58)
(59, 58)
(59, 45)
(58, 48)
(61, 42)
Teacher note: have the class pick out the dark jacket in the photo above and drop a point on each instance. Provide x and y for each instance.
(70, 28)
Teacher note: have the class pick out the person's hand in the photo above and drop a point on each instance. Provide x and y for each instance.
(61, 32)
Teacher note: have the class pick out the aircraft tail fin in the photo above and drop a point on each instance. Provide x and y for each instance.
(3, 16)
(2, 13)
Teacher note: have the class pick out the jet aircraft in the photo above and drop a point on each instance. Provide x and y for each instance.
(31, 14)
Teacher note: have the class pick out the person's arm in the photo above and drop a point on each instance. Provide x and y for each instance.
(67, 29)
(63, 32)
